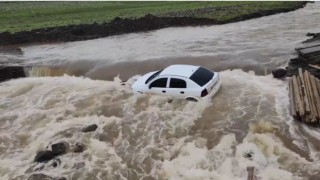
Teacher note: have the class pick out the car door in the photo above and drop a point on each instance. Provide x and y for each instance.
(158, 86)
(177, 87)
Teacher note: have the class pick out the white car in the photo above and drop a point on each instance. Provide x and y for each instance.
(180, 81)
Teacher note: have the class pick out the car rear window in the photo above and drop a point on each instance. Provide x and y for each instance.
(177, 83)
(201, 76)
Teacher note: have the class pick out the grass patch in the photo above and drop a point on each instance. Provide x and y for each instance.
(20, 16)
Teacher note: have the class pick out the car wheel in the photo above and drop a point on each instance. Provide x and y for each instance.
(192, 99)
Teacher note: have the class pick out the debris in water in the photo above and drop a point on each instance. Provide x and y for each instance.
(249, 155)
(38, 168)
(89, 128)
(56, 163)
(251, 175)
(78, 148)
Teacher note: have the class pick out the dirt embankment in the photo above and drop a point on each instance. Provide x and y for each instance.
(120, 26)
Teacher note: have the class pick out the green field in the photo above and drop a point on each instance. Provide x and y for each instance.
(19, 16)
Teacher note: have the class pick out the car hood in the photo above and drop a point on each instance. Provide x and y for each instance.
(140, 83)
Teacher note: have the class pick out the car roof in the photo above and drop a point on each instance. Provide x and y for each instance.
(179, 70)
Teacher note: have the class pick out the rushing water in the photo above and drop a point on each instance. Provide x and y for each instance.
(147, 136)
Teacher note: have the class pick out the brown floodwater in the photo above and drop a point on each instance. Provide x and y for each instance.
(247, 123)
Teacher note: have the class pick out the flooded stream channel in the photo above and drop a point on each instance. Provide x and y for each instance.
(144, 137)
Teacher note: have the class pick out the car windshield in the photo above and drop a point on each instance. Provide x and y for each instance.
(202, 76)
(153, 76)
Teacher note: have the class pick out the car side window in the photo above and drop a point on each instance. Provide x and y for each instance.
(159, 83)
(177, 83)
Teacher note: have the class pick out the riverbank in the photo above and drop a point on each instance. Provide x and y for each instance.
(125, 18)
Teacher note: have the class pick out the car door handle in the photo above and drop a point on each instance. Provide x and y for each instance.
(181, 92)
(164, 91)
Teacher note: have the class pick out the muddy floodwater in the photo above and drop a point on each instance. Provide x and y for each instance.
(247, 123)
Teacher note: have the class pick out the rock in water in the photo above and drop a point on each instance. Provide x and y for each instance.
(43, 156)
(311, 34)
(40, 177)
(60, 178)
(60, 148)
(89, 128)
(279, 73)
(44, 177)
(78, 148)
(11, 72)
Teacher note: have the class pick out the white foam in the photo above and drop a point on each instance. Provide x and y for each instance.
(227, 160)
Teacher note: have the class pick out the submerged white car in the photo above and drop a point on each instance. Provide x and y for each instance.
(180, 81)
